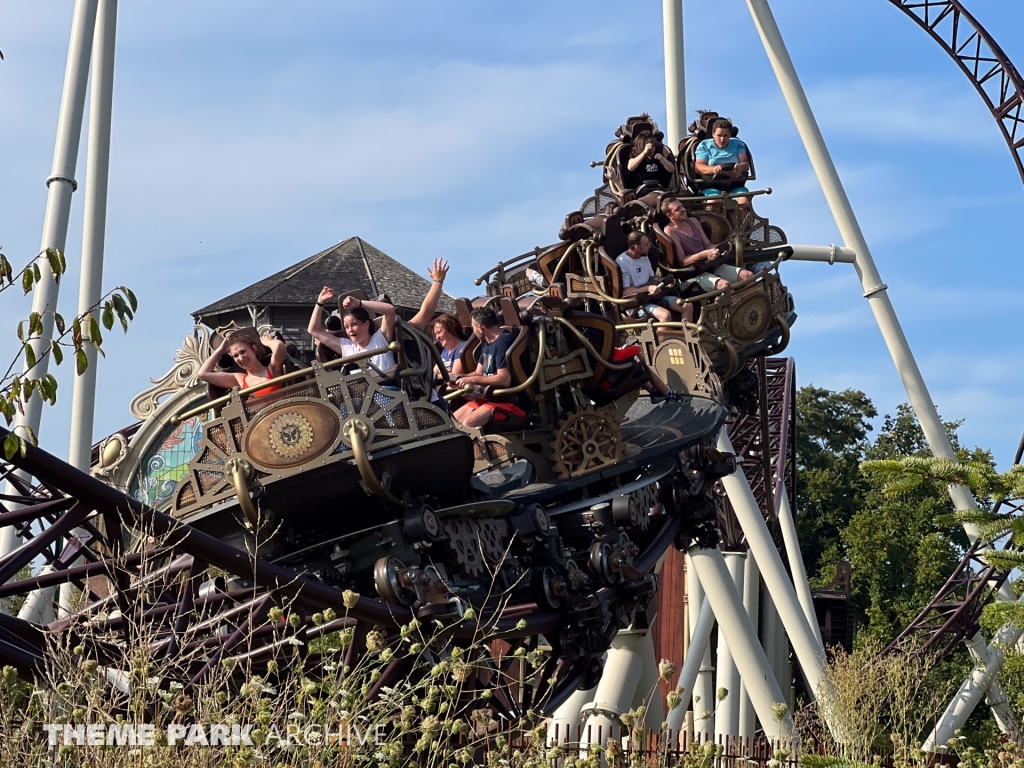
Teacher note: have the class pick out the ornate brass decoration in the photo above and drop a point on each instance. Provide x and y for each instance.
(292, 434)
(751, 317)
(586, 441)
(182, 376)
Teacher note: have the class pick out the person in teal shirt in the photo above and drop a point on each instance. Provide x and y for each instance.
(726, 157)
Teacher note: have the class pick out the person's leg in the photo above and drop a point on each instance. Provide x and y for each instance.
(478, 417)
(685, 312)
(661, 314)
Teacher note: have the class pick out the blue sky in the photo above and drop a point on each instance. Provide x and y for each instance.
(249, 135)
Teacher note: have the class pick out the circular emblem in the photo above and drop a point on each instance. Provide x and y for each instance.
(751, 318)
(291, 435)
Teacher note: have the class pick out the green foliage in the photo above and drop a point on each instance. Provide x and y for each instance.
(897, 533)
(48, 333)
(831, 439)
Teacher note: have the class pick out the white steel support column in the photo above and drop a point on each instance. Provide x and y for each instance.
(97, 172)
(751, 603)
(648, 693)
(727, 716)
(988, 660)
(806, 646)
(60, 185)
(703, 688)
(747, 651)
(875, 291)
(95, 226)
(796, 563)
(565, 721)
(700, 643)
(675, 72)
(614, 695)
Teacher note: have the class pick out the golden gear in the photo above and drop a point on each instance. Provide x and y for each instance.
(291, 435)
(586, 441)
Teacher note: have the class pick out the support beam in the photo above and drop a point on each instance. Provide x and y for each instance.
(727, 718)
(809, 651)
(95, 226)
(60, 186)
(751, 603)
(700, 644)
(747, 651)
(675, 72)
(830, 254)
(614, 695)
(875, 291)
(564, 725)
(702, 689)
(648, 692)
(796, 563)
(972, 692)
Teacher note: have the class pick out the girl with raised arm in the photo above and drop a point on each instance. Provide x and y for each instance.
(242, 349)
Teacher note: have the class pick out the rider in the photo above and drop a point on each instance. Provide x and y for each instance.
(243, 350)
(359, 328)
(689, 236)
(638, 279)
(491, 371)
(725, 157)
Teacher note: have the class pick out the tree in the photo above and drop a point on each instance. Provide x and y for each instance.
(16, 389)
(903, 543)
(832, 429)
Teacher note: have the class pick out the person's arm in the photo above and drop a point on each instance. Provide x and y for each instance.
(700, 161)
(278, 353)
(634, 162)
(429, 306)
(316, 324)
(665, 158)
(217, 378)
(385, 310)
(500, 379)
(744, 163)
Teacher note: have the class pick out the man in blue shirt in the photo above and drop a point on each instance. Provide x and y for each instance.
(491, 371)
(725, 158)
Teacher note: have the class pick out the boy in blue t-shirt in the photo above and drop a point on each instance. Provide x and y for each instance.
(726, 157)
(491, 371)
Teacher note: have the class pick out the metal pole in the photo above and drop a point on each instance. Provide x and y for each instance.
(94, 229)
(564, 725)
(727, 718)
(732, 619)
(988, 660)
(808, 651)
(875, 291)
(700, 643)
(751, 600)
(60, 185)
(97, 172)
(675, 72)
(648, 693)
(703, 687)
(796, 563)
(615, 691)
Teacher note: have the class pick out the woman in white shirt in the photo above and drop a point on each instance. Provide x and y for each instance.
(360, 330)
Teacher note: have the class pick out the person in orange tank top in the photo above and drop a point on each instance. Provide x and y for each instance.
(243, 352)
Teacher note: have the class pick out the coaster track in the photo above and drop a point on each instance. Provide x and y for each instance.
(979, 56)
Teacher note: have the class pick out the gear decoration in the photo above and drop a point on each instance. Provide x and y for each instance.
(291, 435)
(586, 441)
(750, 320)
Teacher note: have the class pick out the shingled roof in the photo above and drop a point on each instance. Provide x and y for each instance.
(349, 265)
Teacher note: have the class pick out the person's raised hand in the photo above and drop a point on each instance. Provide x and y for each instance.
(350, 303)
(439, 271)
(649, 149)
(325, 295)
